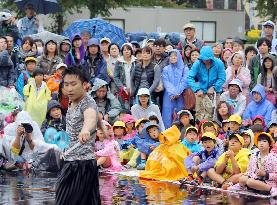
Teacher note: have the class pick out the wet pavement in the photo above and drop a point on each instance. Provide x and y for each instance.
(27, 188)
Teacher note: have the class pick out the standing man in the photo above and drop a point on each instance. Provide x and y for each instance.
(206, 77)
(29, 24)
(161, 58)
(191, 40)
(269, 32)
(78, 182)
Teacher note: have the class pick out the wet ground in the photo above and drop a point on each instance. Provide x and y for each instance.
(24, 188)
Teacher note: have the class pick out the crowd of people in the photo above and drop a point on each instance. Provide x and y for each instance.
(189, 112)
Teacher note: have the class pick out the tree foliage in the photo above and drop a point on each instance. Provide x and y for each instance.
(267, 9)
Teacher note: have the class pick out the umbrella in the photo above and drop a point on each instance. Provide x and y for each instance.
(46, 35)
(97, 28)
(40, 6)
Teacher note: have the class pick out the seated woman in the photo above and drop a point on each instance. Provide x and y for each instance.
(22, 139)
(166, 161)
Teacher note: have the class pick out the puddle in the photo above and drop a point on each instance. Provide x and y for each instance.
(21, 188)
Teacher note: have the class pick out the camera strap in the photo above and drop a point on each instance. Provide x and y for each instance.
(22, 147)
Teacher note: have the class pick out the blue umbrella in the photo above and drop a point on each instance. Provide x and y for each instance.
(98, 28)
(40, 6)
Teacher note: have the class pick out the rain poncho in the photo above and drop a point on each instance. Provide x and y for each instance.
(243, 74)
(274, 40)
(214, 76)
(242, 159)
(175, 82)
(10, 135)
(166, 162)
(36, 101)
(263, 108)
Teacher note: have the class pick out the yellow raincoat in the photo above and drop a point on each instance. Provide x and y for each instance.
(166, 162)
(242, 159)
(36, 101)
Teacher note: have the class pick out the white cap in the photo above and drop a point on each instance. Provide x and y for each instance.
(61, 65)
(143, 91)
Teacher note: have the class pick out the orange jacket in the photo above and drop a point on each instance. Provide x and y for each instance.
(54, 82)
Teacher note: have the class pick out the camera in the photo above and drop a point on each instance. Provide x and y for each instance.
(28, 127)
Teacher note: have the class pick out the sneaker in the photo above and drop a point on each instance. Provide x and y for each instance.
(236, 187)
(127, 166)
(273, 191)
(141, 166)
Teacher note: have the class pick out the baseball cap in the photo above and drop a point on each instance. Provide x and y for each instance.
(208, 135)
(235, 118)
(105, 39)
(61, 65)
(30, 59)
(240, 138)
(188, 25)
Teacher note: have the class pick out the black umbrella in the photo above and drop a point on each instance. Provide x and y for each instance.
(40, 6)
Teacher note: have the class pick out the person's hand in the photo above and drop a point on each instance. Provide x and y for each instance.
(106, 117)
(210, 91)
(194, 169)
(227, 156)
(261, 173)
(200, 93)
(231, 154)
(20, 131)
(152, 147)
(228, 171)
(101, 115)
(29, 137)
(84, 137)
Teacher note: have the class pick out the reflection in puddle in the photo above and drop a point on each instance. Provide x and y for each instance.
(19, 188)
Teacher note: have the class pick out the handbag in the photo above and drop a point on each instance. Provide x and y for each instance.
(189, 99)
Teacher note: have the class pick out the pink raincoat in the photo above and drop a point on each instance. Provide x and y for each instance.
(269, 166)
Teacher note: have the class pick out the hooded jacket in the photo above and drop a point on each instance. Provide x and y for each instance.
(62, 54)
(97, 67)
(36, 101)
(263, 107)
(243, 74)
(144, 144)
(58, 124)
(113, 106)
(7, 71)
(54, 82)
(70, 57)
(215, 76)
(274, 40)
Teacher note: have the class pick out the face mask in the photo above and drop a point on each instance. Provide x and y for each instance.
(40, 50)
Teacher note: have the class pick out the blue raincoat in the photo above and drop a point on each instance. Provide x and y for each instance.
(193, 147)
(20, 82)
(263, 108)
(175, 82)
(143, 145)
(215, 76)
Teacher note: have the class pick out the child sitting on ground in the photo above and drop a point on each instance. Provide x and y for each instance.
(191, 140)
(37, 96)
(259, 120)
(262, 170)
(150, 132)
(107, 149)
(185, 120)
(230, 164)
(166, 162)
(130, 126)
(54, 117)
(204, 160)
(248, 137)
(119, 130)
(272, 129)
(130, 151)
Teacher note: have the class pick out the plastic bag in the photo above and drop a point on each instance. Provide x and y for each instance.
(9, 100)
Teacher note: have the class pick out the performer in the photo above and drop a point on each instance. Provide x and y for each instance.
(78, 181)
